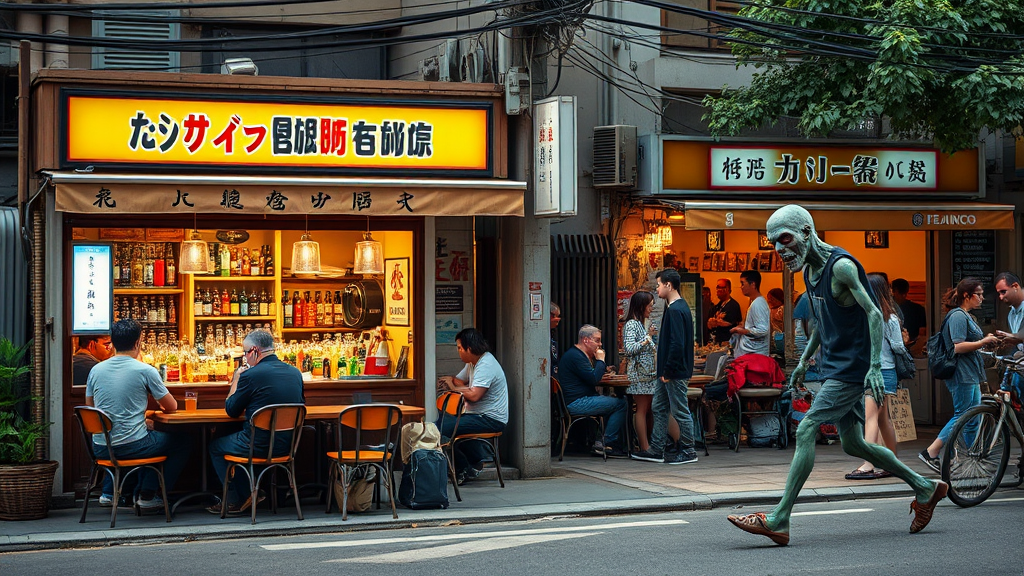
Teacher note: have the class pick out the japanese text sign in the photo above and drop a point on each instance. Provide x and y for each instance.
(92, 292)
(554, 149)
(338, 136)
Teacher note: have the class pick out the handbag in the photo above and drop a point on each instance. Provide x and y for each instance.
(905, 366)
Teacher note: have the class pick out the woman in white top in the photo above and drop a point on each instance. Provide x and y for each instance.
(877, 425)
(641, 352)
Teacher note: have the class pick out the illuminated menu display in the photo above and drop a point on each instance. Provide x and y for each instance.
(91, 288)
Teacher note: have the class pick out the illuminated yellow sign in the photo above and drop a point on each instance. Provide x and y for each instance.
(436, 137)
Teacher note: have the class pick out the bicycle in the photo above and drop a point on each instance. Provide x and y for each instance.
(975, 458)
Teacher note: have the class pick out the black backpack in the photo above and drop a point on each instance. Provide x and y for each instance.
(425, 481)
(941, 356)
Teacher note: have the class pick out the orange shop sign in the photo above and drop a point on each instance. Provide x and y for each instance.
(339, 136)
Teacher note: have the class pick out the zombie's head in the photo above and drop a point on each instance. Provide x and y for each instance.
(791, 229)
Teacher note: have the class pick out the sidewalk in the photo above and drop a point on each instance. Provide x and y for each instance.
(581, 485)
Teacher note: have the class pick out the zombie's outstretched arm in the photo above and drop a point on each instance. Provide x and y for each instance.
(845, 271)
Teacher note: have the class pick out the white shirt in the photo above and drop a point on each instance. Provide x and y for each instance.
(758, 324)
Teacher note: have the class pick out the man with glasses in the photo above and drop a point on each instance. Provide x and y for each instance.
(262, 380)
(579, 371)
(91, 351)
(725, 315)
(1009, 291)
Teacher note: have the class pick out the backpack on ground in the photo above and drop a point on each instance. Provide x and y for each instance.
(425, 481)
(941, 355)
(764, 431)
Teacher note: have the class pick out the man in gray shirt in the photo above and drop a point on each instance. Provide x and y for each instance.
(121, 387)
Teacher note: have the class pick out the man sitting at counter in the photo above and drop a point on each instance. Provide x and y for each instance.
(262, 380)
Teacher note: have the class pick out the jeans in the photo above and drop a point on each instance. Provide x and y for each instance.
(176, 447)
(237, 444)
(470, 452)
(613, 408)
(965, 397)
(670, 397)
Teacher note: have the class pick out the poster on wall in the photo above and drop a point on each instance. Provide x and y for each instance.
(397, 271)
(446, 327)
(92, 294)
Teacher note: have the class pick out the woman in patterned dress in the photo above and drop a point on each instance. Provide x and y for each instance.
(640, 350)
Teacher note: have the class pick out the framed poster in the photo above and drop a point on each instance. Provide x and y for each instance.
(397, 305)
(92, 288)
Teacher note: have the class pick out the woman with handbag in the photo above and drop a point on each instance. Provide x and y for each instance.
(639, 347)
(877, 424)
(968, 339)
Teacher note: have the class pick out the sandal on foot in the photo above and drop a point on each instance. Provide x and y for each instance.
(883, 474)
(756, 523)
(859, 474)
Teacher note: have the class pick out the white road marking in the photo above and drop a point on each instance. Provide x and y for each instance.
(470, 536)
(830, 512)
(998, 500)
(461, 548)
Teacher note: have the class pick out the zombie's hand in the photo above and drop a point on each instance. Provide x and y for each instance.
(877, 383)
(797, 378)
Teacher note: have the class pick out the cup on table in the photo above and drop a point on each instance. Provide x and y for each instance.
(191, 401)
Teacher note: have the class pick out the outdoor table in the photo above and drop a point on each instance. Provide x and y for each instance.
(620, 382)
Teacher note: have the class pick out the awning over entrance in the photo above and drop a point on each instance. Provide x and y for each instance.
(90, 193)
(709, 215)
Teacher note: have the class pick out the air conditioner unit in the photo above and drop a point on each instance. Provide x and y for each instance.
(615, 157)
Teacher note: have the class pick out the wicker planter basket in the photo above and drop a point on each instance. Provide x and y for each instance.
(25, 490)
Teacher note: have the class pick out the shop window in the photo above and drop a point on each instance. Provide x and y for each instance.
(688, 22)
(150, 30)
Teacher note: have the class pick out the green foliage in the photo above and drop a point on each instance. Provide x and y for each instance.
(938, 69)
(18, 436)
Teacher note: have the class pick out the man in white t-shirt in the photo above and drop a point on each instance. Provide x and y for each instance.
(756, 328)
(482, 384)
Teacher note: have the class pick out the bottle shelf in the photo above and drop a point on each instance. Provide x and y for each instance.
(232, 318)
(146, 291)
(307, 329)
(319, 280)
(201, 278)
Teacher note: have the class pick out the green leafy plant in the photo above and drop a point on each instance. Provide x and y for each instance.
(18, 436)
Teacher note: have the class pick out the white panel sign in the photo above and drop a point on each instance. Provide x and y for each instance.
(554, 157)
(92, 292)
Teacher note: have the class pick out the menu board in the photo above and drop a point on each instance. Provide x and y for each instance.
(92, 295)
(974, 256)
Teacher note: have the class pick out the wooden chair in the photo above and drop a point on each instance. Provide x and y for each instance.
(567, 420)
(695, 399)
(375, 431)
(450, 406)
(273, 420)
(95, 421)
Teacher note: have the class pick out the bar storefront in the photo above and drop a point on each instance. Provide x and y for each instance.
(206, 208)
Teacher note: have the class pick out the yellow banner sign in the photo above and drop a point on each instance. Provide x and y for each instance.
(344, 136)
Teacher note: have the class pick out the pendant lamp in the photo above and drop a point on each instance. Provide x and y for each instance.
(652, 242)
(369, 257)
(306, 254)
(194, 257)
(665, 233)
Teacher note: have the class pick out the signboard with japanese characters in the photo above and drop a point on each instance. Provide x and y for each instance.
(92, 294)
(334, 136)
(554, 156)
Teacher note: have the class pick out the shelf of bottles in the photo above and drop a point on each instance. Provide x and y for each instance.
(236, 297)
(147, 288)
(158, 315)
(308, 311)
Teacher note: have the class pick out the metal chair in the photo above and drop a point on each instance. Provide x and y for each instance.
(695, 398)
(375, 429)
(95, 421)
(450, 405)
(273, 420)
(566, 420)
(760, 394)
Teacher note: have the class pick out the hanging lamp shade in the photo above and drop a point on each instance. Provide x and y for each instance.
(306, 256)
(369, 256)
(194, 257)
(652, 242)
(665, 232)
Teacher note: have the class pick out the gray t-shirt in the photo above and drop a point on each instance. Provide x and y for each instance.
(962, 328)
(487, 374)
(121, 387)
(759, 318)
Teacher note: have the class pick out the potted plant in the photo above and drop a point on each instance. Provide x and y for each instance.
(25, 483)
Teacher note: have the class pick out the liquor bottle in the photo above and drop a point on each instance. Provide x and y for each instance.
(172, 313)
(244, 263)
(117, 309)
(117, 265)
(229, 335)
(207, 303)
(234, 262)
(215, 302)
(263, 260)
(170, 268)
(288, 320)
(299, 310)
(264, 303)
(225, 303)
(215, 253)
(339, 314)
(197, 304)
(148, 263)
(270, 262)
(271, 304)
(225, 261)
(137, 266)
(151, 310)
(236, 309)
(310, 307)
(159, 263)
(161, 311)
(319, 309)
(243, 304)
(328, 309)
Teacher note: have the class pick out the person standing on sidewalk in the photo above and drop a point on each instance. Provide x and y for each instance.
(580, 370)
(849, 331)
(1010, 292)
(675, 367)
(758, 325)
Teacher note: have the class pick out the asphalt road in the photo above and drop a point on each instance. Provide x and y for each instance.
(867, 537)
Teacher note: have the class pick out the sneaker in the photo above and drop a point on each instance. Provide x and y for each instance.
(107, 500)
(598, 448)
(460, 477)
(933, 463)
(151, 504)
(471, 473)
(613, 452)
(681, 457)
(647, 456)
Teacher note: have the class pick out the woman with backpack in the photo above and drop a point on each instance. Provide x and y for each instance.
(877, 425)
(968, 339)
(638, 345)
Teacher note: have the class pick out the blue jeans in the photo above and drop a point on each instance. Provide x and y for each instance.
(237, 444)
(613, 408)
(470, 452)
(965, 397)
(670, 398)
(176, 447)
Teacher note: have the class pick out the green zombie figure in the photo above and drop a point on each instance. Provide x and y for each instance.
(849, 331)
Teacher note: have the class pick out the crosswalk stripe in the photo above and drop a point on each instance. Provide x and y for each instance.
(460, 548)
(831, 512)
(470, 536)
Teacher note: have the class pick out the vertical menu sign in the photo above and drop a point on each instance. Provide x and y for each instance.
(92, 294)
(974, 256)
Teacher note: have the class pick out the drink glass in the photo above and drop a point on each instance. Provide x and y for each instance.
(191, 401)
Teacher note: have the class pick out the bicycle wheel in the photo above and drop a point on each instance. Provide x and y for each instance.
(975, 456)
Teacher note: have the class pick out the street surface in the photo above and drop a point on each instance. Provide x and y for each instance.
(853, 538)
